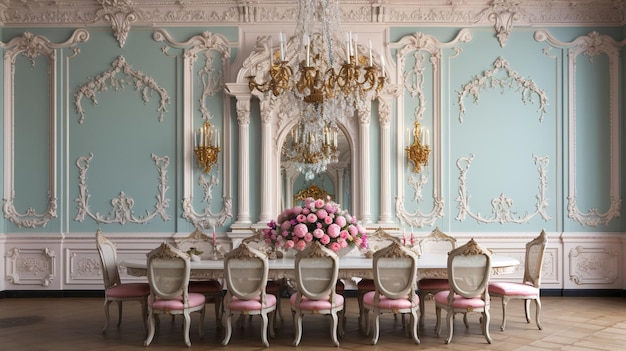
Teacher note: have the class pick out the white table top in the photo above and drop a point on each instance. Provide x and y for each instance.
(429, 266)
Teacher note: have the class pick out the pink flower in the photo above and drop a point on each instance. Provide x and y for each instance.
(318, 233)
(335, 246)
(289, 244)
(311, 218)
(285, 225)
(301, 218)
(341, 221)
(300, 229)
(319, 203)
(333, 230)
(300, 245)
(325, 239)
(344, 234)
(308, 237)
(321, 213)
(328, 220)
(330, 208)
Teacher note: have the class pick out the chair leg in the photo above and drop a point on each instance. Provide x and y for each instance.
(226, 319)
(422, 298)
(414, 327)
(376, 331)
(537, 312)
(450, 321)
(187, 327)
(151, 329)
(362, 316)
(505, 300)
(106, 315)
(119, 313)
(438, 323)
(264, 330)
(297, 328)
(333, 328)
(485, 324)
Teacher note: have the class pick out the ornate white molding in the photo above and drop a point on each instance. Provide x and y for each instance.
(502, 206)
(203, 12)
(122, 211)
(210, 46)
(510, 80)
(420, 45)
(599, 265)
(503, 14)
(30, 266)
(109, 79)
(592, 45)
(120, 13)
(32, 46)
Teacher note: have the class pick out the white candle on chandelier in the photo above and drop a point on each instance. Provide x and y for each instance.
(271, 54)
(382, 63)
(356, 50)
(370, 45)
(201, 136)
(307, 40)
(350, 46)
(281, 36)
(427, 141)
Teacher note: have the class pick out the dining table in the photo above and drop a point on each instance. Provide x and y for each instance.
(430, 265)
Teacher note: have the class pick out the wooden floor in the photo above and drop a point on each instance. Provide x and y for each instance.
(569, 323)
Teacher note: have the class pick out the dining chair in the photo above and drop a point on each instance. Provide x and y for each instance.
(435, 242)
(528, 288)
(377, 240)
(114, 289)
(245, 274)
(168, 274)
(212, 289)
(316, 271)
(469, 269)
(274, 287)
(395, 273)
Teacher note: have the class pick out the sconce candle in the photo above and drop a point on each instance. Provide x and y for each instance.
(208, 147)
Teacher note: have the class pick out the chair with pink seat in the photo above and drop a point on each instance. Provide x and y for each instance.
(168, 274)
(469, 270)
(114, 289)
(395, 271)
(245, 274)
(528, 288)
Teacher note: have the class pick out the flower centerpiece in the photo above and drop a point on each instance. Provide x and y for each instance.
(316, 220)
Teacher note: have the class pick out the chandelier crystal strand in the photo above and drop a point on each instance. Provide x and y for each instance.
(327, 78)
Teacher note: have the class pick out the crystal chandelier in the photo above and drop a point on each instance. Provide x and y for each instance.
(327, 77)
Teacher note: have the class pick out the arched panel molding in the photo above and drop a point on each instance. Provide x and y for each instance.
(590, 46)
(213, 83)
(413, 83)
(32, 46)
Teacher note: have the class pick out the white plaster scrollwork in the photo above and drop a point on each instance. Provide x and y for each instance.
(81, 266)
(120, 13)
(109, 79)
(502, 206)
(592, 45)
(122, 211)
(593, 265)
(504, 13)
(212, 81)
(30, 266)
(31, 46)
(510, 80)
(417, 44)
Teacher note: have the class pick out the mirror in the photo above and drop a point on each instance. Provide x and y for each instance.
(335, 182)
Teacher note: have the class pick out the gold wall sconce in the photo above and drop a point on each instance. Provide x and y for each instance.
(207, 146)
(419, 150)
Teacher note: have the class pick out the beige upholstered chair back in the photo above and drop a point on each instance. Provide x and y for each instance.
(168, 272)
(108, 260)
(534, 259)
(395, 270)
(317, 268)
(436, 242)
(376, 241)
(198, 240)
(469, 269)
(245, 272)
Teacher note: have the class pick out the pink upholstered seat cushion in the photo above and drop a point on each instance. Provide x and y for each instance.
(205, 286)
(129, 290)
(252, 305)
(459, 301)
(316, 305)
(513, 289)
(195, 299)
(433, 284)
(387, 303)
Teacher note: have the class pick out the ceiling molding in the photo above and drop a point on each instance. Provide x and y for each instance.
(497, 13)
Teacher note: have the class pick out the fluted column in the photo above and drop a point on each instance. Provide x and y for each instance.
(243, 119)
(384, 117)
(364, 167)
(339, 195)
(267, 164)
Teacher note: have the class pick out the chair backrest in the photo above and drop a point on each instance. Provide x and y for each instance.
(376, 241)
(395, 271)
(196, 240)
(108, 260)
(168, 272)
(436, 242)
(245, 272)
(534, 259)
(317, 268)
(469, 270)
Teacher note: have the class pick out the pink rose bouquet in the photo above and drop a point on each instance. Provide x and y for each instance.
(316, 220)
